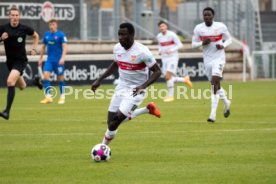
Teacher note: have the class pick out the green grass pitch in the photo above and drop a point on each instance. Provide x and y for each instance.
(52, 143)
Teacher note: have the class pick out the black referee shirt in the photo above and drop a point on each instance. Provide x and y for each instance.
(15, 43)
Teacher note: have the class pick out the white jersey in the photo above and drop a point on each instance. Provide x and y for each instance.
(168, 42)
(217, 32)
(133, 64)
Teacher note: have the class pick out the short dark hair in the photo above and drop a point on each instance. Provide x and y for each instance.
(14, 8)
(53, 20)
(162, 22)
(209, 9)
(129, 27)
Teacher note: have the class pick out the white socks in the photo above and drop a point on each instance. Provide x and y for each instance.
(108, 136)
(178, 79)
(170, 85)
(222, 95)
(137, 112)
(214, 103)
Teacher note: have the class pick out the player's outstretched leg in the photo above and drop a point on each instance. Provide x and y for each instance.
(188, 81)
(170, 85)
(185, 79)
(151, 108)
(38, 82)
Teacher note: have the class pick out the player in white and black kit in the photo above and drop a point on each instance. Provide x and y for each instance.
(134, 61)
(214, 38)
(14, 35)
(169, 44)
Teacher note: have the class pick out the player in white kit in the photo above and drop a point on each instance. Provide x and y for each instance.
(134, 61)
(214, 38)
(169, 44)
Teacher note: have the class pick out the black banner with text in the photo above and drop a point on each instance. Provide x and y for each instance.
(84, 72)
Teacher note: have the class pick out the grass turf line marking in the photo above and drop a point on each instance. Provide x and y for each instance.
(152, 132)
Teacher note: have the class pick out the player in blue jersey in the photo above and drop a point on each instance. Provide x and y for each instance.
(56, 43)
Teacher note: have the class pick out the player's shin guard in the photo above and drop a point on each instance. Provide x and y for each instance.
(10, 98)
(46, 85)
(136, 113)
(170, 85)
(108, 136)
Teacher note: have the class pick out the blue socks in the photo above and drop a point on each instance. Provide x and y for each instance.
(61, 87)
(46, 85)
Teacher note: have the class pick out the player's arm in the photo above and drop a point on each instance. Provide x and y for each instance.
(227, 39)
(64, 49)
(64, 52)
(150, 62)
(197, 42)
(35, 43)
(3, 35)
(178, 43)
(110, 70)
(159, 46)
(156, 73)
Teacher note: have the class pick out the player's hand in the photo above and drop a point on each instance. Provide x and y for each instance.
(138, 90)
(40, 62)
(206, 41)
(95, 85)
(33, 52)
(61, 61)
(219, 47)
(4, 36)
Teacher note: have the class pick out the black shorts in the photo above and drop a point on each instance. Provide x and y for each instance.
(17, 66)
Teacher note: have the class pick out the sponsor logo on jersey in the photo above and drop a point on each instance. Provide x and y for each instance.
(130, 66)
(133, 58)
(214, 38)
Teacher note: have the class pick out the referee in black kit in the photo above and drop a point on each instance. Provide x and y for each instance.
(13, 35)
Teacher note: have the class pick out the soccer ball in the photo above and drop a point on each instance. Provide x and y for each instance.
(100, 152)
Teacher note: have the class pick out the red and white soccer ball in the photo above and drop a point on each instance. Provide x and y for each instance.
(100, 152)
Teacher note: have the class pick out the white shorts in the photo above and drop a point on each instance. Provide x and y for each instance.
(214, 68)
(124, 101)
(170, 64)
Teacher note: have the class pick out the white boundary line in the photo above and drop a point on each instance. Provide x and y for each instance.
(150, 132)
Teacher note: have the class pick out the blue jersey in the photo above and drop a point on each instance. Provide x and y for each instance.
(54, 42)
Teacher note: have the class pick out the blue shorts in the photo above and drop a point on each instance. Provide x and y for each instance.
(50, 66)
